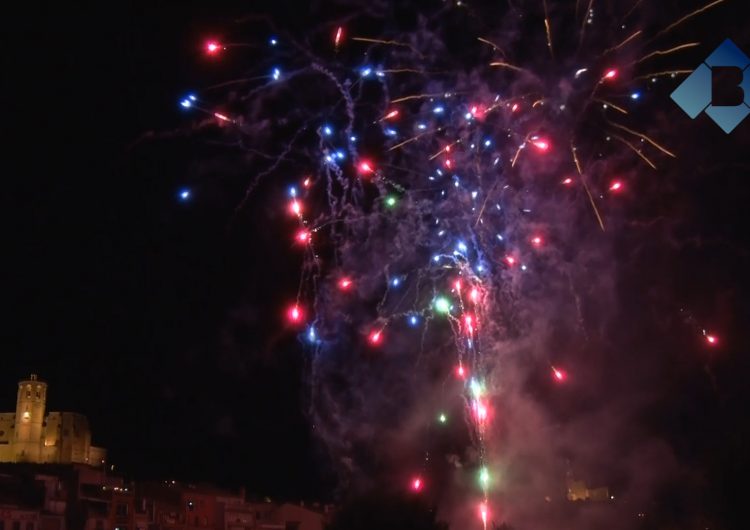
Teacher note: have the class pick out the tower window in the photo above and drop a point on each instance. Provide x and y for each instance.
(28, 394)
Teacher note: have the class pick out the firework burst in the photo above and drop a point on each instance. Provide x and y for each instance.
(426, 164)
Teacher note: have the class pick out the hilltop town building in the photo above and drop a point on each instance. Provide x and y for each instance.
(32, 435)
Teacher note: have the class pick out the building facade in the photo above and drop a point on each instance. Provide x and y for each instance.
(33, 435)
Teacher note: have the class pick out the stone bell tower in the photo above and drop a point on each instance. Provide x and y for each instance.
(29, 422)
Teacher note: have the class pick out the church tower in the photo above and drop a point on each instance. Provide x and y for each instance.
(29, 422)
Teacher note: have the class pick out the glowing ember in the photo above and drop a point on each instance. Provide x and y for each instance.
(337, 38)
(375, 337)
(213, 47)
(541, 144)
(365, 166)
(615, 185)
(303, 236)
(294, 314)
(295, 207)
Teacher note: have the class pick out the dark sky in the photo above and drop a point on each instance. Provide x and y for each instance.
(117, 294)
(152, 317)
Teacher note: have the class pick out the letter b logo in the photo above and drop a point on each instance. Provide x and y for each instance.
(695, 95)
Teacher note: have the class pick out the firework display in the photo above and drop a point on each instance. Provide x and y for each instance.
(444, 182)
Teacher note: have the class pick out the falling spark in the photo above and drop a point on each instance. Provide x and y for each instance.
(547, 29)
(583, 24)
(388, 43)
(412, 139)
(687, 17)
(495, 46)
(445, 149)
(623, 43)
(504, 64)
(337, 38)
(664, 73)
(667, 52)
(610, 104)
(634, 149)
(586, 187)
(416, 96)
(645, 137)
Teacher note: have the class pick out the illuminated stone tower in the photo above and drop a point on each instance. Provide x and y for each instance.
(29, 421)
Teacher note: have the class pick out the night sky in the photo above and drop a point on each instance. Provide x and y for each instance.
(160, 320)
(133, 306)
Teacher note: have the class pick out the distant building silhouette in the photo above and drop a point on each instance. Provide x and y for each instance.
(577, 490)
(28, 435)
(52, 478)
